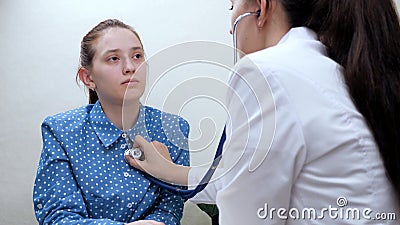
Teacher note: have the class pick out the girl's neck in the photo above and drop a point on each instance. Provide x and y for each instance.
(124, 116)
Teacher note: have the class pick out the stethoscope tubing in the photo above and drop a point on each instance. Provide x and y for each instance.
(234, 31)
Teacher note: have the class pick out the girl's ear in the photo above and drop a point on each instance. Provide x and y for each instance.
(86, 78)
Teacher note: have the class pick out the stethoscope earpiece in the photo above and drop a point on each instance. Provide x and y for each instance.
(238, 19)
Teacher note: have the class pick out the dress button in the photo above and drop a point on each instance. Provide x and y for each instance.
(126, 174)
(123, 146)
(129, 205)
(39, 206)
(124, 135)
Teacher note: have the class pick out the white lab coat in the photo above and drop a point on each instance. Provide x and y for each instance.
(296, 142)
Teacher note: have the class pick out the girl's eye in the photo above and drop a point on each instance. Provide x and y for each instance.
(112, 59)
(137, 56)
(231, 8)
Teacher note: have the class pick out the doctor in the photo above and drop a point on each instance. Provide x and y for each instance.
(313, 130)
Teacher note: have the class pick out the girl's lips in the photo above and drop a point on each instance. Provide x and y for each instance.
(130, 81)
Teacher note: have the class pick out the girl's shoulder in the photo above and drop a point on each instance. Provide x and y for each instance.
(165, 119)
(71, 117)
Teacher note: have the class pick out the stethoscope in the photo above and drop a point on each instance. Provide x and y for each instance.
(234, 31)
(184, 193)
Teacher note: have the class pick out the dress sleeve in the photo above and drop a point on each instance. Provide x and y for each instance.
(167, 209)
(56, 197)
(263, 153)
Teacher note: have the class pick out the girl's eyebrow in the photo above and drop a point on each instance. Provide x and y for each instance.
(117, 50)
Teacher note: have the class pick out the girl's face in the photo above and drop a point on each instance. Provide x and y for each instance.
(118, 68)
(248, 34)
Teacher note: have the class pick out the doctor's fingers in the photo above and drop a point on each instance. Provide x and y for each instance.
(162, 150)
(139, 141)
(133, 162)
(156, 161)
(152, 150)
(155, 155)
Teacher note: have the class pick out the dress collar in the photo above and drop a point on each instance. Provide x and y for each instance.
(140, 128)
(107, 132)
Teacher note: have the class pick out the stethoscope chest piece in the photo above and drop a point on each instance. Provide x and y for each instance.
(134, 153)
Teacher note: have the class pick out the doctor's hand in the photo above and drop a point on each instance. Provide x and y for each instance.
(157, 162)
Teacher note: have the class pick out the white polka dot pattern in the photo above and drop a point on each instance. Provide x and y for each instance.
(83, 178)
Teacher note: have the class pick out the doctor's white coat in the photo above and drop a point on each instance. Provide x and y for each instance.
(297, 150)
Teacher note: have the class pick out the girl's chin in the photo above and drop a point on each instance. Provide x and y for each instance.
(132, 96)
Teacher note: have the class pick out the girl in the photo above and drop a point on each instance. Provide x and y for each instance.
(82, 176)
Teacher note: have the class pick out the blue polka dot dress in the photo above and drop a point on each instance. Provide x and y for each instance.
(82, 176)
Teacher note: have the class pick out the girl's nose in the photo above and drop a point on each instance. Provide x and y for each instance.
(129, 67)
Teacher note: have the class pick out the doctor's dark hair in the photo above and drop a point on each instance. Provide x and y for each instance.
(88, 49)
(363, 36)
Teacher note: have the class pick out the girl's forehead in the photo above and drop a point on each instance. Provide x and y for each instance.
(118, 38)
(116, 34)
